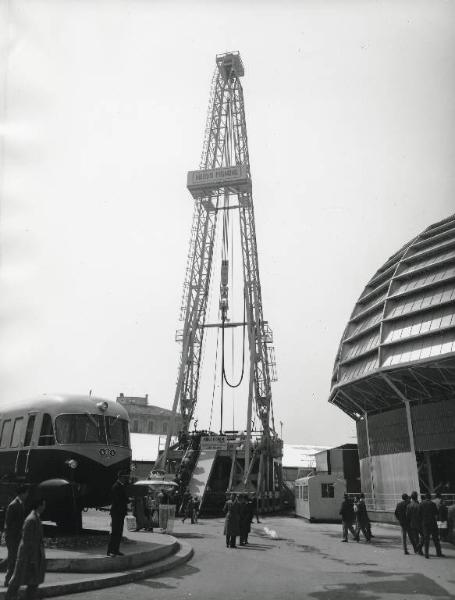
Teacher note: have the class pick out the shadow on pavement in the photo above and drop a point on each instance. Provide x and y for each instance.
(375, 590)
(380, 542)
(177, 573)
(154, 585)
(256, 547)
(190, 535)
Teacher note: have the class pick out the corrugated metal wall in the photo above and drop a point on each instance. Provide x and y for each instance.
(392, 469)
(388, 434)
(392, 474)
(434, 426)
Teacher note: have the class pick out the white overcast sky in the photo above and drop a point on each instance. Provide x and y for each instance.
(351, 121)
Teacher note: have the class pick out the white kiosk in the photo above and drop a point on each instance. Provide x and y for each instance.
(319, 497)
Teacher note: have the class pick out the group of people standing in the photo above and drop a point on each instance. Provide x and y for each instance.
(354, 518)
(26, 562)
(419, 521)
(239, 513)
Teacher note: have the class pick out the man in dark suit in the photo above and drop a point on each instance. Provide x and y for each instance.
(231, 521)
(119, 509)
(414, 523)
(14, 520)
(429, 519)
(245, 517)
(347, 518)
(400, 513)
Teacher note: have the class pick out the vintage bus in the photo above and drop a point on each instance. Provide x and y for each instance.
(67, 448)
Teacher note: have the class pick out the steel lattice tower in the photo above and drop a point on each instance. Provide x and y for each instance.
(222, 183)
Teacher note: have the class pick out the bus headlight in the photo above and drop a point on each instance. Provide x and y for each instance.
(103, 406)
(72, 463)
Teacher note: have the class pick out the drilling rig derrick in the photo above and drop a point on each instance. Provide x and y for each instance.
(221, 185)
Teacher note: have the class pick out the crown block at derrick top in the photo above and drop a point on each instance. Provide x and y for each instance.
(203, 182)
(230, 64)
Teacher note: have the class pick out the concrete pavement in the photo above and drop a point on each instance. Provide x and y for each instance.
(289, 558)
(145, 555)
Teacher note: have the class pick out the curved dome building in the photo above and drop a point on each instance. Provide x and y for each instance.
(395, 370)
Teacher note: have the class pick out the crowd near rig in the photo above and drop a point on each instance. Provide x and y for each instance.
(250, 460)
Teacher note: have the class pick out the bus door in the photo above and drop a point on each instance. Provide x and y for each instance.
(23, 453)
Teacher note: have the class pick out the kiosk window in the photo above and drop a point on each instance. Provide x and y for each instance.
(327, 490)
(46, 436)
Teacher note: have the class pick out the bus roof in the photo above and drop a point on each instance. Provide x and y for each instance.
(63, 403)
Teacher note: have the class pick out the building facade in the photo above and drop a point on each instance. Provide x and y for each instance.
(395, 371)
(147, 418)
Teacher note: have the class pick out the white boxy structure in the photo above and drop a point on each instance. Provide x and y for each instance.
(319, 497)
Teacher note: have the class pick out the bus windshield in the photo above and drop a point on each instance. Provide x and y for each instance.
(80, 429)
(117, 431)
(91, 429)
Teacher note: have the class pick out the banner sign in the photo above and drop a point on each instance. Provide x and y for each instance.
(207, 180)
(213, 442)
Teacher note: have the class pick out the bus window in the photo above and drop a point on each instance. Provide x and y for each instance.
(117, 431)
(29, 431)
(79, 429)
(6, 433)
(16, 437)
(46, 436)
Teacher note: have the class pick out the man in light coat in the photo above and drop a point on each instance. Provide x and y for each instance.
(31, 561)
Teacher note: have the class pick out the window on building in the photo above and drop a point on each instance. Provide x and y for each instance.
(46, 436)
(6, 434)
(17, 429)
(327, 490)
(151, 426)
(165, 427)
(29, 430)
(135, 426)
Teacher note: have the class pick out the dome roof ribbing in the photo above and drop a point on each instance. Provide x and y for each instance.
(400, 340)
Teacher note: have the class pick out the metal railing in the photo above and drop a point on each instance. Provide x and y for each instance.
(388, 502)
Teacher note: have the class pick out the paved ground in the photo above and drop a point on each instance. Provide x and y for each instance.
(291, 559)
